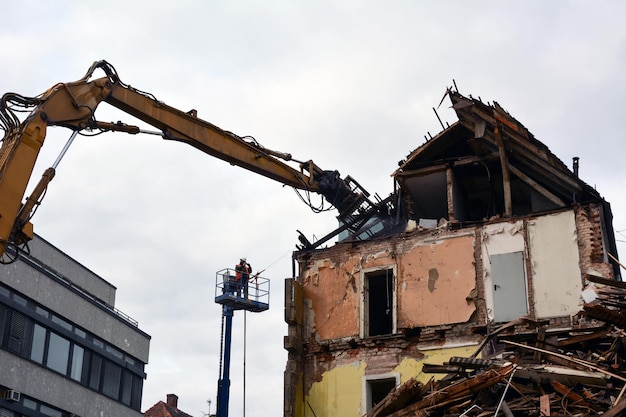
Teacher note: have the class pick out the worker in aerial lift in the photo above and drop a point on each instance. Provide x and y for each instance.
(242, 275)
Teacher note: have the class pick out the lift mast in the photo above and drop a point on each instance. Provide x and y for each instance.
(232, 296)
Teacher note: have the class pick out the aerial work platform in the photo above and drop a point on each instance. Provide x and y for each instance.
(231, 293)
(252, 295)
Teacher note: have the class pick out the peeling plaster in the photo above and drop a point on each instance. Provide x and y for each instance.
(334, 297)
(435, 281)
(339, 391)
(433, 276)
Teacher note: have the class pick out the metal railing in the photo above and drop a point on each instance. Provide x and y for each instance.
(257, 290)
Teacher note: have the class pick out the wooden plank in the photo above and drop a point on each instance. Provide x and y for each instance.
(583, 338)
(602, 313)
(398, 398)
(544, 405)
(506, 180)
(533, 184)
(540, 343)
(568, 393)
(606, 281)
(572, 360)
(450, 193)
(456, 391)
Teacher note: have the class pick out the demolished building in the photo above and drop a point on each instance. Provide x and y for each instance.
(497, 228)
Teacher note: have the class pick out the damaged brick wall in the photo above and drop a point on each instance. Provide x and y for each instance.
(435, 283)
(593, 256)
(442, 295)
(435, 288)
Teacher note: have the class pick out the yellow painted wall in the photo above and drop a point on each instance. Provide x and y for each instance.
(340, 391)
(412, 368)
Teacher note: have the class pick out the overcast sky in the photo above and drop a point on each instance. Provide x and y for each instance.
(349, 84)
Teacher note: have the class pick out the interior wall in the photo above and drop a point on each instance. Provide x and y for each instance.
(437, 279)
(557, 281)
(497, 239)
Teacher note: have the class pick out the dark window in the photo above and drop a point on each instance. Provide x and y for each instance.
(137, 389)
(112, 378)
(377, 389)
(17, 329)
(95, 372)
(127, 387)
(49, 411)
(379, 292)
(4, 314)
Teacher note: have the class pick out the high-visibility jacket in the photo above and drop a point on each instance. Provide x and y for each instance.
(242, 269)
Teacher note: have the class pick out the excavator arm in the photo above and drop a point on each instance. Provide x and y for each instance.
(73, 105)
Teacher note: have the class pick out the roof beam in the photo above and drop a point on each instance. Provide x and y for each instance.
(506, 180)
(533, 184)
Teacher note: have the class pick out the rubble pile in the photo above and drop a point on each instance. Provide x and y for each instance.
(528, 368)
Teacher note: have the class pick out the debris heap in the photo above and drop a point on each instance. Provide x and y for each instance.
(529, 368)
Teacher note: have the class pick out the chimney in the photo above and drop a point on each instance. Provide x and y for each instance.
(172, 400)
(575, 161)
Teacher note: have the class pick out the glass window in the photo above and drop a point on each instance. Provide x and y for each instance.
(77, 363)
(20, 300)
(5, 292)
(112, 378)
(80, 333)
(127, 388)
(48, 411)
(58, 353)
(137, 390)
(61, 322)
(95, 372)
(39, 343)
(114, 351)
(42, 311)
(28, 403)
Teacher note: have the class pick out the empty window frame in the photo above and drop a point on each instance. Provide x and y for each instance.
(378, 307)
(376, 388)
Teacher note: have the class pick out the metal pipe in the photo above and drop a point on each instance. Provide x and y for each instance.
(64, 150)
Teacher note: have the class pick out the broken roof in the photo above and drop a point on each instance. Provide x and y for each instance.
(497, 165)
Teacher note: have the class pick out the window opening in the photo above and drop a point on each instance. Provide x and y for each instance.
(376, 389)
(379, 302)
